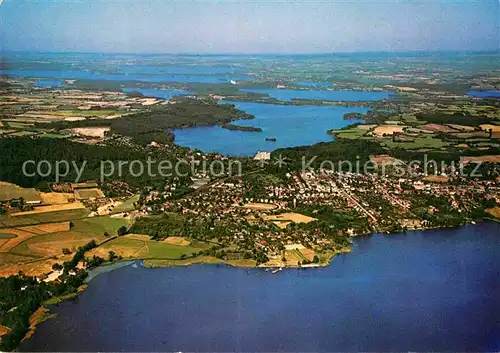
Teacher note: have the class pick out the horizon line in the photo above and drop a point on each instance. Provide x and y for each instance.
(251, 53)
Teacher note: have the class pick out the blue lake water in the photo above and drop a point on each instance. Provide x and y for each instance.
(158, 93)
(48, 83)
(153, 78)
(420, 291)
(484, 94)
(290, 125)
(289, 94)
(314, 84)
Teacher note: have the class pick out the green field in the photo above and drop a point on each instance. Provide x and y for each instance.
(99, 225)
(417, 143)
(127, 205)
(352, 133)
(17, 125)
(24, 250)
(6, 236)
(167, 251)
(58, 216)
(54, 136)
(82, 231)
(87, 113)
(60, 299)
(150, 249)
(487, 111)
(22, 133)
(87, 193)
(84, 113)
(198, 260)
(412, 119)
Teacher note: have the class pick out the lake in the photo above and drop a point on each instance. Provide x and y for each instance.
(484, 94)
(125, 76)
(431, 290)
(290, 125)
(48, 83)
(289, 94)
(314, 84)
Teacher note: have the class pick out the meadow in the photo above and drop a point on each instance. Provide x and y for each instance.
(21, 246)
(46, 217)
(142, 247)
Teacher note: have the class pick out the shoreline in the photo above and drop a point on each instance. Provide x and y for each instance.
(107, 267)
(44, 309)
(211, 260)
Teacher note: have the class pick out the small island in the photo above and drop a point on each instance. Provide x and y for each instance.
(241, 128)
(354, 116)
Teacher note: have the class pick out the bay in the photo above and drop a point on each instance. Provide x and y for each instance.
(290, 125)
(433, 290)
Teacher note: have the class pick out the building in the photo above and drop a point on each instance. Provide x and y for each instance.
(262, 156)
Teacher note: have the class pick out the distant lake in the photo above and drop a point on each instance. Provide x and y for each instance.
(290, 125)
(289, 94)
(158, 93)
(314, 84)
(484, 94)
(48, 83)
(433, 290)
(154, 78)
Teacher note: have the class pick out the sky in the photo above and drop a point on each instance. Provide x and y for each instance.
(249, 26)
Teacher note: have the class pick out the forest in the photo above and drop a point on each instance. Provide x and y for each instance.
(348, 150)
(458, 118)
(156, 123)
(241, 128)
(17, 150)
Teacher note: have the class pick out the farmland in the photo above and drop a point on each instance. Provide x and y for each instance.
(282, 220)
(10, 191)
(388, 129)
(82, 194)
(22, 234)
(127, 205)
(439, 129)
(56, 198)
(35, 218)
(91, 131)
(50, 209)
(22, 245)
(142, 247)
(416, 143)
(197, 260)
(354, 132)
(259, 206)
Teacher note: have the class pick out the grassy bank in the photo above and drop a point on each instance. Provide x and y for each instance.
(59, 299)
(325, 260)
